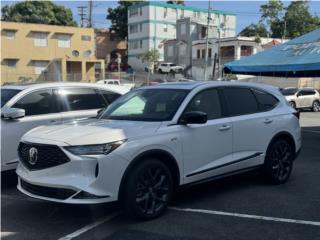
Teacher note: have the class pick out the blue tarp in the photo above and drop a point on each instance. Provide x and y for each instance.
(299, 54)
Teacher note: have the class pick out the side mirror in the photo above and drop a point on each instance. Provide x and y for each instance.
(194, 117)
(13, 113)
(100, 112)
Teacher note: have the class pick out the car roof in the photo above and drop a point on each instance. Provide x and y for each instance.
(195, 84)
(33, 86)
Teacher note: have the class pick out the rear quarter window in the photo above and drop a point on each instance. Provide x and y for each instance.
(265, 100)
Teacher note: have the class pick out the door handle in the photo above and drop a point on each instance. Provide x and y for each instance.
(268, 120)
(224, 128)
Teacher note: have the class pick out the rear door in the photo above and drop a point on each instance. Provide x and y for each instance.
(41, 109)
(253, 123)
(79, 102)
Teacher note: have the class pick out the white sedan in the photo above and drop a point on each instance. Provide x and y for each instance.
(24, 107)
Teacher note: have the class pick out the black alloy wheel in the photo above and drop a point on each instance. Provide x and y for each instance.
(149, 190)
(316, 106)
(279, 161)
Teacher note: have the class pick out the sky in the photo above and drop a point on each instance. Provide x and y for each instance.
(247, 11)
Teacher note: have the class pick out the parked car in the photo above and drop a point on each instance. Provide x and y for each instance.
(109, 81)
(157, 138)
(169, 68)
(302, 98)
(113, 67)
(24, 107)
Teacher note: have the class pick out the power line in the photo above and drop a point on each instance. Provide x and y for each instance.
(82, 13)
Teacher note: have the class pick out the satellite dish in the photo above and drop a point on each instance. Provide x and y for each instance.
(75, 53)
(87, 53)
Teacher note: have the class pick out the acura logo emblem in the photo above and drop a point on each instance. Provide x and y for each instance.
(33, 156)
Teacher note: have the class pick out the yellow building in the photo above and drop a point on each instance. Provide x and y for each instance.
(39, 52)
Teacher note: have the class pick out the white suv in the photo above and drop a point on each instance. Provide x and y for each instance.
(154, 139)
(169, 68)
(24, 107)
(303, 98)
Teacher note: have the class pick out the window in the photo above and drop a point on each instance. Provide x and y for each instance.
(183, 29)
(12, 63)
(182, 13)
(36, 103)
(183, 49)
(133, 28)
(265, 100)
(40, 39)
(140, 11)
(109, 96)
(203, 53)
(240, 101)
(134, 12)
(165, 27)
(40, 66)
(170, 51)
(165, 12)
(203, 32)
(194, 14)
(64, 41)
(140, 26)
(210, 53)
(134, 44)
(9, 34)
(306, 92)
(207, 101)
(140, 43)
(85, 38)
(198, 54)
(74, 99)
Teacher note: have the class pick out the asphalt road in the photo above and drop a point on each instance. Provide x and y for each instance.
(239, 207)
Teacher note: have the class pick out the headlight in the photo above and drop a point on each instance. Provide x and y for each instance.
(97, 149)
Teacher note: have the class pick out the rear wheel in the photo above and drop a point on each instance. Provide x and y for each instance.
(279, 161)
(293, 104)
(160, 71)
(316, 106)
(148, 190)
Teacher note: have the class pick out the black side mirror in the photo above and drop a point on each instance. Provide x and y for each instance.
(99, 112)
(194, 117)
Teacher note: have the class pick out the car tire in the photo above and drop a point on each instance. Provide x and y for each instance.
(160, 71)
(148, 190)
(316, 106)
(293, 104)
(278, 163)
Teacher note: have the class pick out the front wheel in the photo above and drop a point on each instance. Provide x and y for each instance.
(293, 104)
(316, 106)
(279, 161)
(148, 190)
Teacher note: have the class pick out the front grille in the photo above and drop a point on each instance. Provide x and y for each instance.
(49, 192)
(47, 156)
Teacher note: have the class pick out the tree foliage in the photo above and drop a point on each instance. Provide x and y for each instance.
(254, 30)
(288, 22)
(180, 2)
(42, 12)
(119, 18)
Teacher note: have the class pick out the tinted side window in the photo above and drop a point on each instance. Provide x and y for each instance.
(240, 101)
(265, 100)
(36, 103)
(306, 92)
(109, 96)
(74, 99)
(208, 102)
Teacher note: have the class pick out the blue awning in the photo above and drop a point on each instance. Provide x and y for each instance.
(299, 54)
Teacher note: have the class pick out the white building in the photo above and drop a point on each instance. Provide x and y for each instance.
(150, 23)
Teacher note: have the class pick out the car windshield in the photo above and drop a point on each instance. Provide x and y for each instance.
(146, 105)
(172, 65)
(289, 91)
(7, 94)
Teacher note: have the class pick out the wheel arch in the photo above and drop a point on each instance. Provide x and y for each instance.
(164, 156)
(283, 135)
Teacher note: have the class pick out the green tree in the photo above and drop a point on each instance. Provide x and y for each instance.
(150, 57)
(42, 12)
(254, 30)
(119, 18)
(180, 2)
(299, 20)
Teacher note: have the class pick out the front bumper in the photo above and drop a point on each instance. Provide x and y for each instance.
(77, 181)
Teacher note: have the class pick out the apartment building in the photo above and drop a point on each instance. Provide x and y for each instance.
(39, 52)
(151, 23)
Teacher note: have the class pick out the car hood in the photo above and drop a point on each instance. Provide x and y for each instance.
(291, 97)
(93, 131)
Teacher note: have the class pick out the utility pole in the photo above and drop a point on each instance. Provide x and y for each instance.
(90, 23)
(82, 14)
(207, 42)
